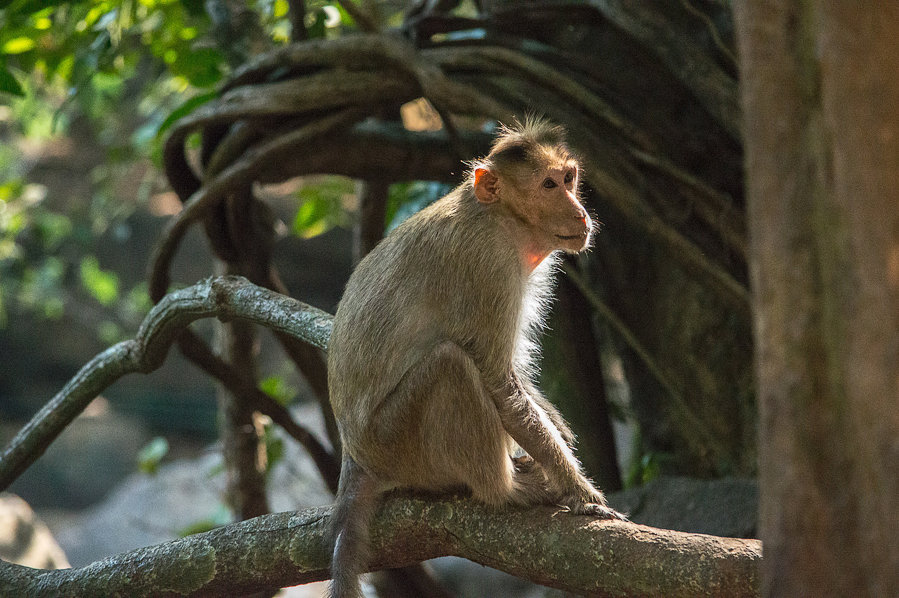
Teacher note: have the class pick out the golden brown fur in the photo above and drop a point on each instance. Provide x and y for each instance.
(432, 348)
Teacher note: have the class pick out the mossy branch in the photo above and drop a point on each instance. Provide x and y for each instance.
(575, 553)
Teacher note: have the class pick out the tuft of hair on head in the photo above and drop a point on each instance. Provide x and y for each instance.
(529, 143)
(534, 141)
(534, 129)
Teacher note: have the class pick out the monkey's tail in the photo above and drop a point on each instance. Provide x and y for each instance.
(353, 511)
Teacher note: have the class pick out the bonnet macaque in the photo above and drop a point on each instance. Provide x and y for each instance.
(432, 351)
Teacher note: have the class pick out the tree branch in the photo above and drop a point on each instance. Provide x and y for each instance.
(239, 173)
(574, 553)
(286, 549)
(225, 297)
(202, 356)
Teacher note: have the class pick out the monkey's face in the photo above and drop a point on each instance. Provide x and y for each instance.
(554, 210)
(538, 187)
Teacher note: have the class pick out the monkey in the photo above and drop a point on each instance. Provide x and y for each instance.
(432, 353)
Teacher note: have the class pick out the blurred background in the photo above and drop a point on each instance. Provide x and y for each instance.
(648, 352)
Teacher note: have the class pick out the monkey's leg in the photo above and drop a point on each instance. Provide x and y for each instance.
(533, 429)
(443, 430)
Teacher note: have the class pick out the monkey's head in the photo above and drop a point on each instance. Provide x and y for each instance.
(531, 175)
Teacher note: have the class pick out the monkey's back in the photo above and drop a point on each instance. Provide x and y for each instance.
(449, 273)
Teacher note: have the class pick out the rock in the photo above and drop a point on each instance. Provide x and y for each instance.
(25, 539)
(724, 507)
(182, 496)
(86, 461)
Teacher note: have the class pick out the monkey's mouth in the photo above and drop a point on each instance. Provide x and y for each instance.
(572, 237)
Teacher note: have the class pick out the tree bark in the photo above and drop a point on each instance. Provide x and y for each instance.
(820, 95)
(575, 553)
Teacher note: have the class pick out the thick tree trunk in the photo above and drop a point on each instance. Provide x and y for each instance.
(821, 91)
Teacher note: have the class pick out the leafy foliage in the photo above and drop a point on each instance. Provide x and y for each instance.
(152, 454)
(322, 205)
(120, 73)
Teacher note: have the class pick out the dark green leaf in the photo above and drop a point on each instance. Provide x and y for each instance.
(9, 84)
(194, 7)
(202, 67)
(317, 28)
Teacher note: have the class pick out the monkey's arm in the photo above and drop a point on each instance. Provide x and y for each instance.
(526, 421)
(551, 411)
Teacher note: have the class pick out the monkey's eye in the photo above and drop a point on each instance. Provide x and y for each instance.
(569, 176)
(548, 183)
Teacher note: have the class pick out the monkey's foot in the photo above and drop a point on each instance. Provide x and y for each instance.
(523, 464)
(601, 511)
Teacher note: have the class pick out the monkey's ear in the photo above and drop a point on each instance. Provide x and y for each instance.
(485, 185)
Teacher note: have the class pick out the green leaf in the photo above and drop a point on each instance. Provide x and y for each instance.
(311, 218)
(345, 17)
(17, 45)
(103, 285)
(149, 457)
(322, 206)
(278, 389)
(9, 84)
(201, 67)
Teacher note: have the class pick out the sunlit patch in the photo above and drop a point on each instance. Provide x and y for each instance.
(420, 115)
(164, 204)
(893, 267)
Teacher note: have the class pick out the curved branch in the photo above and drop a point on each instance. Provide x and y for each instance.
(350, 52)
(503, 60)
(313, 93)
(578, 554)
(238, 174)
(379, 150)
(226, 297)
(715, 89)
